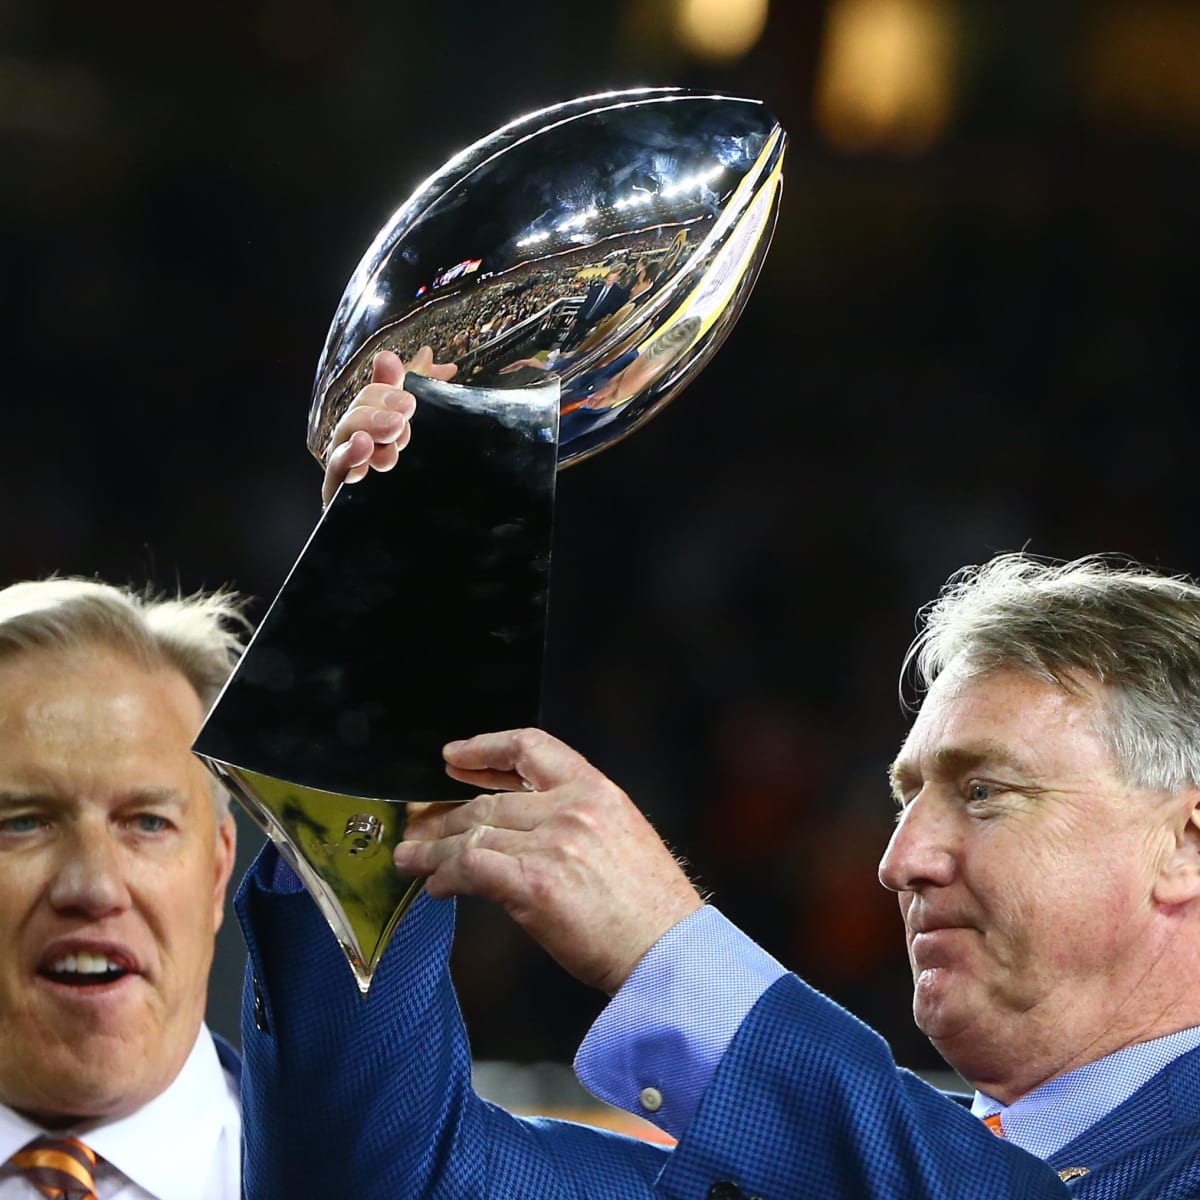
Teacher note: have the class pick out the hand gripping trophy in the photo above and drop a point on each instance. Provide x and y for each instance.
(580, 265)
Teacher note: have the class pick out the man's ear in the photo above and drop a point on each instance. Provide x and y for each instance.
(1179, 880)
(223, 862)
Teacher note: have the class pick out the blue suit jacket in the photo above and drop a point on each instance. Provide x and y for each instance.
(372, 1098)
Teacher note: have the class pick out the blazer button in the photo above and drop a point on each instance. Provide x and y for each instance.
(725, 1189)
(260, 1009)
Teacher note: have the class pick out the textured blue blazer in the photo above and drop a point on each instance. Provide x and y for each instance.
(372, 1098)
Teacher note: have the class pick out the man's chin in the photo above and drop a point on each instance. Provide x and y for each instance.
(82, 1096)
(942, 1005)
(84, 1075)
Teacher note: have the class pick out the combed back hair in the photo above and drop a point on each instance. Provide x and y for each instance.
(676, 339)
(200, 635)
(1132, 629)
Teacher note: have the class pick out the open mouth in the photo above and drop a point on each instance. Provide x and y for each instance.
(84, 970)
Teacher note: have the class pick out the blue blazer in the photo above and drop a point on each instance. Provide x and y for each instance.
(372, 1098)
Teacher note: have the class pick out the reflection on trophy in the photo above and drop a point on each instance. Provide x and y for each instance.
(580, 266)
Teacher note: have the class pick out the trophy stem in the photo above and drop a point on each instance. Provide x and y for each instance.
(416, 614)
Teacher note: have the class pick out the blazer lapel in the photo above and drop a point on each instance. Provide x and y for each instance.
(1163, 1104)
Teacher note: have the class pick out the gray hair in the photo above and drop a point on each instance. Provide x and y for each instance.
(200, 636)
(674, 341)
(1126, 626)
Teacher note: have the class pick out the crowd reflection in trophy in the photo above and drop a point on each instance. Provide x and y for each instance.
(578, 314)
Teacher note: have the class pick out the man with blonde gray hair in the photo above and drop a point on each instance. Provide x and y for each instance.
(1046, 860)
(116, 847)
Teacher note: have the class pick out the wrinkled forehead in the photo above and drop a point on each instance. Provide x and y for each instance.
(94, 695)
(93, 720)
(1004, 715)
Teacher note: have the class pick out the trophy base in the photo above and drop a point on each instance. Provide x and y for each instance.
(341, 847)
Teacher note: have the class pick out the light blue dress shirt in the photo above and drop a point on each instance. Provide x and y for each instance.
(661, 1036)
(1051, 1116)
(655, 1047)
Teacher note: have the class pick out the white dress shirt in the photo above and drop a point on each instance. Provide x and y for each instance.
(184, 1145)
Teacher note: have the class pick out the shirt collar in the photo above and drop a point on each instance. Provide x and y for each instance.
(166, 1146)
(1057, 1112)
(15, 1131)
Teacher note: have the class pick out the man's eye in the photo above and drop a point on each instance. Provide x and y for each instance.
(150, 823)
(26, 823)
(980, 793)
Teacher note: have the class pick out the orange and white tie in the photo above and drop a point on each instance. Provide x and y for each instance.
(60, 1168)
(993, 1123)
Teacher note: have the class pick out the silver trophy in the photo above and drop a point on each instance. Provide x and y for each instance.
(580, 265)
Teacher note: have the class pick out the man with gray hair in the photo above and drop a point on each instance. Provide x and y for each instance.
(1046, 859)
(116, 846)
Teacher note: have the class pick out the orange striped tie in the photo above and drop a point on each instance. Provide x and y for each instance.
(61, 1168)
(993, 1123)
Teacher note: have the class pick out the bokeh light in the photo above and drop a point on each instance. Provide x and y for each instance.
(720, 30)
(1139, 67)
(885, 80)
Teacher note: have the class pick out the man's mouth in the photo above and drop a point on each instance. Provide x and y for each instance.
(85, 968)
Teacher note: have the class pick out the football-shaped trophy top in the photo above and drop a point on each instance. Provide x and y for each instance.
(610, 241)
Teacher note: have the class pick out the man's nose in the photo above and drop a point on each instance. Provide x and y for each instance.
(90, 878)
(923, 847)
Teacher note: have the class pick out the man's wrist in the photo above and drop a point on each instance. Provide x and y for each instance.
(655, 1047)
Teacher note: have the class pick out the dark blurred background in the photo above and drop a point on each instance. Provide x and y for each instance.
(974, 332)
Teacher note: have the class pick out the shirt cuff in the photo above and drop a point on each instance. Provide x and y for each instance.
(655, 1047)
